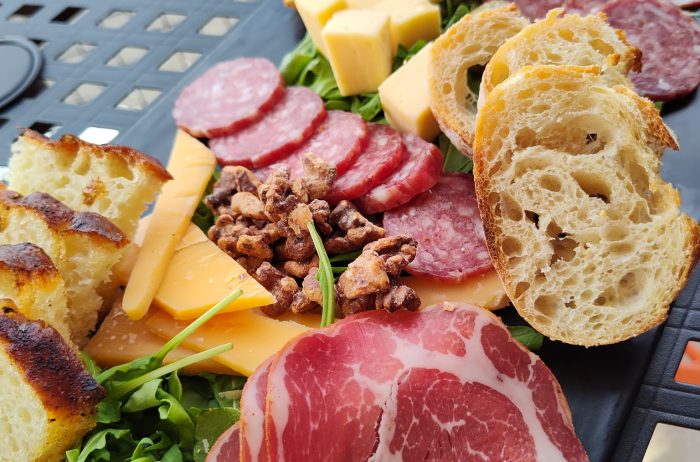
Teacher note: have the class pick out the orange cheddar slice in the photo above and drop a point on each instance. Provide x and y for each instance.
(255, 336)
(191, 165)
(484, 290)
(121, 340)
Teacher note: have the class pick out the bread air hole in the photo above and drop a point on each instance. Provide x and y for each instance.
(593, 185)
(640, 213)
(81, 164)
(499, 73)
(614, 233)
(601, 47)
(118, 168)
(521, 288)
(547, 305)
(566, 35)
(563, 249)
(511, 208)
(533, 217)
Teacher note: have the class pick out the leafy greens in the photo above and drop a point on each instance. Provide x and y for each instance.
(528, 336)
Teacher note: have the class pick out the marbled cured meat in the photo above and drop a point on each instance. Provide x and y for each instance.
(252, 421)
(227, 447)
(537, 9)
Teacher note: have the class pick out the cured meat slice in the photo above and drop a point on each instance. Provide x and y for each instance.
(418, 173)
(252, 421)
(286, 127)
(446, 223)
(686, 3)
(228, 97)
(584, 7)
(382, 156)
(441, 384)
(537, 9)
(670, 43)
(227, 447)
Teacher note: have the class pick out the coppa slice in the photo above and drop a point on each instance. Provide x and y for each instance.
(227, 447)
(418, 173)
(228, 97)
(382, 156)
(670, 44)
(252, 442)
(446, 223)
(289, 124)
(438, 385)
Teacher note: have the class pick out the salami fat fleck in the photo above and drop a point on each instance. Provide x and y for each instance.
(446, 223)
(537, 9)
(418, 173)
(670, 44)
(382, 156)
(288, 125)
(228, 97)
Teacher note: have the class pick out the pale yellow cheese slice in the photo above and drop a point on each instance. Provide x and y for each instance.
(191, 165)
(484, 290)
(255, 336)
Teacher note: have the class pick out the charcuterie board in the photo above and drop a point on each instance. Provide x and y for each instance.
(616, 393)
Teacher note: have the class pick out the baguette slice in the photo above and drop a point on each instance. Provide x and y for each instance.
(468, 43)
(29, 278)
(84, 246)
(569, 40)
(47, 398)
(117, 182)
(587, 238)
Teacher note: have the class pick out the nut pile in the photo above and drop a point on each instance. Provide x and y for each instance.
(263, 226)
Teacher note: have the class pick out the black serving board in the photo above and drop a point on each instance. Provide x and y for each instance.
(613, 418)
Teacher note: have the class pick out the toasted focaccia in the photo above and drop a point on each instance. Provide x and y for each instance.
(586, 236)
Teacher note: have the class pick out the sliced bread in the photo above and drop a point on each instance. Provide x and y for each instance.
(84, 246)
(29, 278)
(47, 398)
(117, 182)
(570, 40)
(587, 238)
(468, 44)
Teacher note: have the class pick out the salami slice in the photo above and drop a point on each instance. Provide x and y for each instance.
(419, 173)
(686, 3)
(288, 125)
(670, 44)
(228, 97)
(537, 9)
(584, 7)
(382, 156)
(446, 223)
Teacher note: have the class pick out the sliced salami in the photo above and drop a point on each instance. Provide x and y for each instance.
(286, 127)
(227, 447)
(446, 223)
(584, 7)
(537, 9)
(382, 156)
(670, 43)
(228, 97)
(418, 173)
(686, 3)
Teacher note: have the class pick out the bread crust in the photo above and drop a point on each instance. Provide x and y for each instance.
(63, 219)
(69, 145)
(26, 261)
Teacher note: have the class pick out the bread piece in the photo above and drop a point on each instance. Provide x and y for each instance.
(587, 238)
(470, 42)
(29, 278)
(84, 246)
(568, 40)
(117, 182)
(47, 398)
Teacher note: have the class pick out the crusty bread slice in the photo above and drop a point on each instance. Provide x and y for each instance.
(47, 398)
(29, 278)
(468, 43)
(587, 238)
(84, 246)
(569, 40)
(117, 182)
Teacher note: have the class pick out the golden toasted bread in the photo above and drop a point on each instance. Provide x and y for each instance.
(586, 236)
(47, 398)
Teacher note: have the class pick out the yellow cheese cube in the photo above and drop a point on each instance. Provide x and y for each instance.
(358, 46)
(484, 290)
(315, 14)
(362, 4)
(411, 20)
(405, 97)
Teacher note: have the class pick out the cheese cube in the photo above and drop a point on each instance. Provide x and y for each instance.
(315, 14)
(362, 4)
(358, 45)
(405, 97)
(411, 20)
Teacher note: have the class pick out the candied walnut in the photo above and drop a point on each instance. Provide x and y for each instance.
(299, 191)
(281, 286)
(364, 276)
(350, 306)
(297, 248)
(299, 269)
(397, 298)
(248, 205)
(321, 211)
(270, 233)
(253, 246)
(276, 194)
(318, 176)
(396, 251)
(298, 218)
(233, 179)
(250, 264)
(310, 296)
(357, 229)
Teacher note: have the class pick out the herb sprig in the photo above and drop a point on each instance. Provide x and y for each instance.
(325, 277)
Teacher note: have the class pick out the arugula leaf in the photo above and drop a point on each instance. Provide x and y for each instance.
(210, 425)
(528, 336)
(203, 216)
(454, 10)
(455, 161)
(404, 55)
